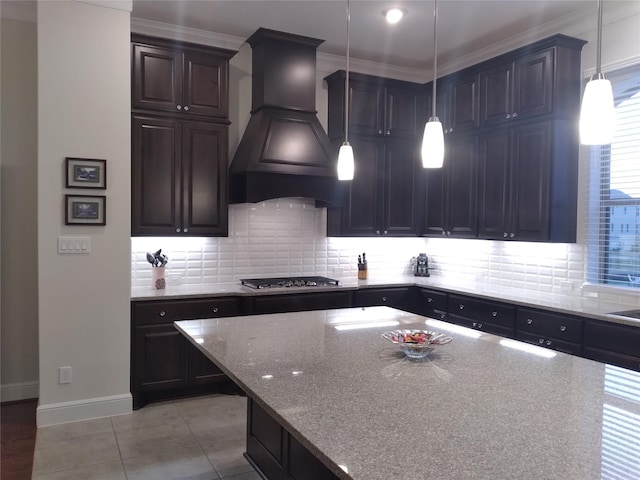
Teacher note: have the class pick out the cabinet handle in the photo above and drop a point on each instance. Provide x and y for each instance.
(385, 232)
(384, 299)
(178, 107)
(508, 115)
(443, 232)
(177, 230)
(514, 114)
(388, 132)
(429, 300)
(494, 314)
(186, 230)
(215, 309)
(379, 132)
(563, 328)
(461, 306)
(377, 232)
(548, 343)
(541, 341)
(448, 233)
(505, 234)
(479, 326)
(163, 313)
(529, 321)
(512, 235)
(186, 108)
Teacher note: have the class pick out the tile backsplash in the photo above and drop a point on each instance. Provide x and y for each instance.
(288, 237)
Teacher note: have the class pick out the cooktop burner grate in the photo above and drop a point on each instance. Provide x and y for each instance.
(286, 282)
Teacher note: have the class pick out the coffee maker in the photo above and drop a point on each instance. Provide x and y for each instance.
(421, 267)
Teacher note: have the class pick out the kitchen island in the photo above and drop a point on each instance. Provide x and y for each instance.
(324, 385)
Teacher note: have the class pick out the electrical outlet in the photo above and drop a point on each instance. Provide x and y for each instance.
(64, 374)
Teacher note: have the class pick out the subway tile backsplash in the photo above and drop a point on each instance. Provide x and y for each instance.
(288, 237)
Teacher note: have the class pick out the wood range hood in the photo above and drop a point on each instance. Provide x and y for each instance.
(284, 151)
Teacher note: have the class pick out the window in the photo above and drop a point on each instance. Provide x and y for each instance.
(614, 191)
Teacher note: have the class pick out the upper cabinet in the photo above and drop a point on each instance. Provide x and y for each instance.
(179, 141)
(378, 106)
(190, 81)
(458, 105)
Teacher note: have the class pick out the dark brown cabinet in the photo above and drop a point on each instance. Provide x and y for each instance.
(383, 196)
(163, 362)
(550, 330)
(299, 302)
(397, 297)
(488, 316)
(172, 78)
(612, 343)
(451, 198)
(429, 303)
(528, 183)
(179, 181)
(378, 107)
(179, 138)
(458, 102)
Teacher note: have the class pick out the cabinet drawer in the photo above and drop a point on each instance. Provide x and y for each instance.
(145, 313)
(381, 296)
(488, 327)
(299, 302)
(620, 339)
(553, 343)
(547, 324)
(432, 299)
(482, 311)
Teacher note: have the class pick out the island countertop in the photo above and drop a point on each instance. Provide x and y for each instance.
(476, 408)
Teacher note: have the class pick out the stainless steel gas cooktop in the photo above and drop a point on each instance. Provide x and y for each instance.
(285, 282)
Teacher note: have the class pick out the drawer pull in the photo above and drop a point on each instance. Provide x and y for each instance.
(461, 306)
(563, 328)
(429, 300)
(529, 321)
(479, 325)
(163, 313)
(494, 314)
(548, 343)
(215, 309)
(541, 341)
(384, 299)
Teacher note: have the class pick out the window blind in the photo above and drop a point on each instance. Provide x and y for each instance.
(614, 191)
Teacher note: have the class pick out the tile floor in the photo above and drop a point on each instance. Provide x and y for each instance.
(200, 438)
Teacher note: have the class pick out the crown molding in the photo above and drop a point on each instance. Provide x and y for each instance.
(186, 34)
(330, 63)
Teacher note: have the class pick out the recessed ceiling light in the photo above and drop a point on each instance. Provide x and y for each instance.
(394, 15)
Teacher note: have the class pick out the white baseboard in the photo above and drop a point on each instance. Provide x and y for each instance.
(10, 392)
(88, 409)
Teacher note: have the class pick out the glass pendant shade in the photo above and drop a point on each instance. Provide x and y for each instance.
(345, 162)
(433, 144)
(597, 113)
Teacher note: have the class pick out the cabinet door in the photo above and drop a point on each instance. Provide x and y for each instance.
(392, 297)
(361, 216)
(493, 184)
(366, 109)
(497, 94)
(533, 84)
(205, 84)
(461, 167)
(402, 186)
(300, 302)
(157, 78)
(434, 220)
(464, 103)
(530, 182)
(155, 176)
(204, 179)
(202, 371)
(402, 113)
(159, 358)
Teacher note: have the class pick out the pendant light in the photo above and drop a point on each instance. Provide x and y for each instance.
(597, 114)
(345, 156)
(433, 138)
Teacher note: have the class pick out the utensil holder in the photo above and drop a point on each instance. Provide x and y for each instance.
(158, 281)
(362, 272)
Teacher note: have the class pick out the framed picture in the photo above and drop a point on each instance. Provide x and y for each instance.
(86, 173)
(85, 210)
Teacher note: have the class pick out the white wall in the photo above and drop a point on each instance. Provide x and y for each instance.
(19, 311)
(84, 111)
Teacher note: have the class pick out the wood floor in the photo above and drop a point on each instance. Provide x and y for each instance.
(18, 438)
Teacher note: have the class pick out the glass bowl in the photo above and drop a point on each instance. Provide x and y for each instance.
(416, 343)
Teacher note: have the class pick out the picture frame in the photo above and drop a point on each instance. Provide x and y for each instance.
(86, 173)
(85, 210)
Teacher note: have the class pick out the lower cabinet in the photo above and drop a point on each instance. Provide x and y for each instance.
(551, 330)
(397, 297)
(612, 343)
(429, 303)
(276, 453)
(488, 316)
(299, 302)
(164, 364)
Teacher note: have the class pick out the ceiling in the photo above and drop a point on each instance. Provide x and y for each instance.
(465, 26)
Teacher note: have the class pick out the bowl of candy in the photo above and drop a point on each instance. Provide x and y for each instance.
(416, 343)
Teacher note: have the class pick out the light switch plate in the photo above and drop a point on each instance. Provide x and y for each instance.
(67, 245)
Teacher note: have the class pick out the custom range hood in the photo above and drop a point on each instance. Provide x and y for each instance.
(284, 151)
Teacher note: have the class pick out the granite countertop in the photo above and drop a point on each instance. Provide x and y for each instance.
(570, 303)
(474, 409)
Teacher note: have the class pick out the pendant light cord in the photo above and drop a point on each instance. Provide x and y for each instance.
(435, 56)
(599, 41)
(346, 81)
